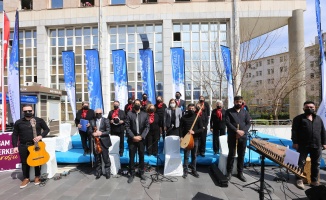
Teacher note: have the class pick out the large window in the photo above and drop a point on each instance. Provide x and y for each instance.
(76, 39)
(87, 3)
(127, 37)
(56, 3)
(27, 4)
(201, 42)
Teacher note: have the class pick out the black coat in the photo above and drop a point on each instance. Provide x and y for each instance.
(131, 127)
(119, 127)
(160, 112)
(104, 128)
(182, 104)
(233, 119)
(215, 122)
(89, 116)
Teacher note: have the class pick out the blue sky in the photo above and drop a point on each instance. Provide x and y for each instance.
(310, 27)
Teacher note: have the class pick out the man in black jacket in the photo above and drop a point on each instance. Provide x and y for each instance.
(185, 125)
(205, 117)
(217, 124)
(23, 132)
(309, 137)
(238, 123)
(180, 103)
(137, 127)
(86, 114)
(102, 133)
(117, 118)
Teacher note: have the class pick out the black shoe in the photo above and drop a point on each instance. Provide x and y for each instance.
(143, 177)
(108, 175)
(202, 154)
(85, 152)
(185, 173)
(229, 176)
(215, 152)
(98, 175)
(241, 177)
(121, 154)
(130, 179)
(195, 173)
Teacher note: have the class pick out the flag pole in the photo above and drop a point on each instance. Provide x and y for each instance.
(3, 120)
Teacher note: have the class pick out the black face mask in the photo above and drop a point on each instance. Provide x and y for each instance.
(177, 97)
(85, 107)
(115, 107)
(309, 111)
(98, 115)
(136, 107)
(237, 106)
(144, 98)
(129, 102)
(151, 110)
(218, 107)
(191, 112)
(159, 101)
(28, 115)
(201, 101)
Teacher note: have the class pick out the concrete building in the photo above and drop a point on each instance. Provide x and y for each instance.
(267, 80)
(47, 27)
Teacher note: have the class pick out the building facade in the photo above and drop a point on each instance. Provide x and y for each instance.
(48, 27)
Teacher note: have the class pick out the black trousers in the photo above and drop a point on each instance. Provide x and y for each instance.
(24, 153)
(216, 142)
(122, 144)
(84, 138)
(174, 131)
(193, 155)
(315, 156)
(241, 150)
(152, 139)
(202, 145)
(133, 147)
(106, 159)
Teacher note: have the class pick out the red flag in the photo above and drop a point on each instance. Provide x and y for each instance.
(5, 39)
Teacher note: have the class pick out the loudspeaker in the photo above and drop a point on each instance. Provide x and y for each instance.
(219, 176)
(316, 193)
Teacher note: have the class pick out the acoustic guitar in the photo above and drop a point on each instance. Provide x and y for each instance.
(187, 141)
(37, 154)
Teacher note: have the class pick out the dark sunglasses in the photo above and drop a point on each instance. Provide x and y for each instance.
(98, 113)
(28, 111)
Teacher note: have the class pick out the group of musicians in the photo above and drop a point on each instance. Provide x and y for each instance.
(142, 123)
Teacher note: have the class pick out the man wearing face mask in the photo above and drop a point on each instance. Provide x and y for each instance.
(309, 137)
(217, 124)
(144, 102)
(86, 114)
(102, 133)
(238, 123)
(180, 103)
(172, 117)
(160, 109)
(128, 106)
(23, 132)
(137, 127)
(117, 118)
(205, 117)
(185, 125)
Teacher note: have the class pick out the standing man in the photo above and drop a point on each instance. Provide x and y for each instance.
(23, 131)
(101, 141)
(128, 106)
(206, 111)
(309, 137)
(238, 123)
(86, 114)
(144, 103)
(137, 127)
(185, 125)
(117, 119)
(180, 103)
(217, 124)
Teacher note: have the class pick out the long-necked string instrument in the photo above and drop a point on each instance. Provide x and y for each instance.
(188, 142)
(97, 143)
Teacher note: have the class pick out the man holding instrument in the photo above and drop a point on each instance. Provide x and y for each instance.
(237, 123)
(102, 144)
(23, 132)
(191, 123)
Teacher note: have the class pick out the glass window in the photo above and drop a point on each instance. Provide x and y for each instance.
(56, 3)
(118, 2)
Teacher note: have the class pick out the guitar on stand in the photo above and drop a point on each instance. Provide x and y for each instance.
(37, 154)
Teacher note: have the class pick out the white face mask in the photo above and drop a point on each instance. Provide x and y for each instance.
(172, 105)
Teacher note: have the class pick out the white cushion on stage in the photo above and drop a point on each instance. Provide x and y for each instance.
(224, 151)
(63, 143)
(173, 160)
(65, 129)
(115, 140)
(51, 166)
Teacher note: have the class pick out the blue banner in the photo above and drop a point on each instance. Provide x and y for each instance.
(13, 75)
(94, 79)
(120, 77)
(322, 108)
(148, 76)
(226, 55)
(178, 70)
(23, 99)
(68, 64)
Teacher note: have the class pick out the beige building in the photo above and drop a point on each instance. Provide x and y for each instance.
(48, 27)
(267, 80)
